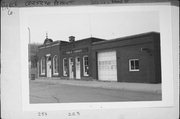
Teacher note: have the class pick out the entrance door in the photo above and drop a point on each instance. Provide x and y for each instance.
(71, 73)
(48, 66)
(107, 70)
(78, 69)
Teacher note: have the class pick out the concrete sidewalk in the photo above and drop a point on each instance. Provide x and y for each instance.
(153, 88)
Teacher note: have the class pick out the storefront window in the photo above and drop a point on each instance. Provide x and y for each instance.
(86, 65)
(134, 65)
(43, 66)
(55, 65)
(65, 67)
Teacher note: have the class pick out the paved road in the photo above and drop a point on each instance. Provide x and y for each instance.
(44, 92)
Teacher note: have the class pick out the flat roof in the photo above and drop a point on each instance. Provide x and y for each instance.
(126, 37)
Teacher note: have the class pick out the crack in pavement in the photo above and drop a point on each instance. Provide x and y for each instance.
(57, 100)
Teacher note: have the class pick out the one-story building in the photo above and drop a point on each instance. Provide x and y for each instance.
(48, 58)
(129, 59)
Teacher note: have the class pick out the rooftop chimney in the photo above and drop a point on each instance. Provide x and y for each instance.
(71, 38)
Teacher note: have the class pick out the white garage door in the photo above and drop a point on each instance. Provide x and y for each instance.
(107, 70)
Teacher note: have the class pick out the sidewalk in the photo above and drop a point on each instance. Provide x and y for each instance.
(153, 88)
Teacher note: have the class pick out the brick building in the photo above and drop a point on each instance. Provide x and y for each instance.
(48, 58)
(129, 59)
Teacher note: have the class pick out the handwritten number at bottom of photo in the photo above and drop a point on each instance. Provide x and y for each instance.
(70, 114)
(42, 114)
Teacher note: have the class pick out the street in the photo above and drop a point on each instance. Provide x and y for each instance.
(45, 92)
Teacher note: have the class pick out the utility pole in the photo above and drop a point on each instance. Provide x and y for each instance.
(29, 52)
(29, 35)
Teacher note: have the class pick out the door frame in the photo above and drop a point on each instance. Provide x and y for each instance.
(76, 61)
(48, 66)
(112, 66)
(71, 71)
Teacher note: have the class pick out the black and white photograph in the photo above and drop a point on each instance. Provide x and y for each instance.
(116, 61)
(94, 57)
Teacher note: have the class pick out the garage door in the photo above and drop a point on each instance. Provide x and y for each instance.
(107, 70)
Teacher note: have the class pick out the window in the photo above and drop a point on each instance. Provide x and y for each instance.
(65, 67)
(134, 65)
(43, 66)
(55, 65)
(85, 66)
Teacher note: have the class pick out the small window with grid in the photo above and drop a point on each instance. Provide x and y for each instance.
(134, 65)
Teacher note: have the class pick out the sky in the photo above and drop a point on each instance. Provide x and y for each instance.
(60, 26)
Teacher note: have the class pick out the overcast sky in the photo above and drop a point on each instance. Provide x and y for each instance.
(83, 25)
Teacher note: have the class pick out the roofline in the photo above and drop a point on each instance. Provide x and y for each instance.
(103, 40)
(87, 39)
(127, 37)
(57, 42)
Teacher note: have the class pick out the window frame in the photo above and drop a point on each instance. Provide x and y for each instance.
(85, 73)
(64, 74)
(134, 69)
(43, 73)
(55, 64)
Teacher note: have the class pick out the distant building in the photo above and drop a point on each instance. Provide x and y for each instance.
(129, 59)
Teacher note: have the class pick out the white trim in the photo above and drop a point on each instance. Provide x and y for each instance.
(85, 73)
(78, 73)
(130, 68)
(64, 74)
(49, 46)
(47, 55)
(55, 44)
(71, 72)
(42, 73)
(55, 73)
(48, 65)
